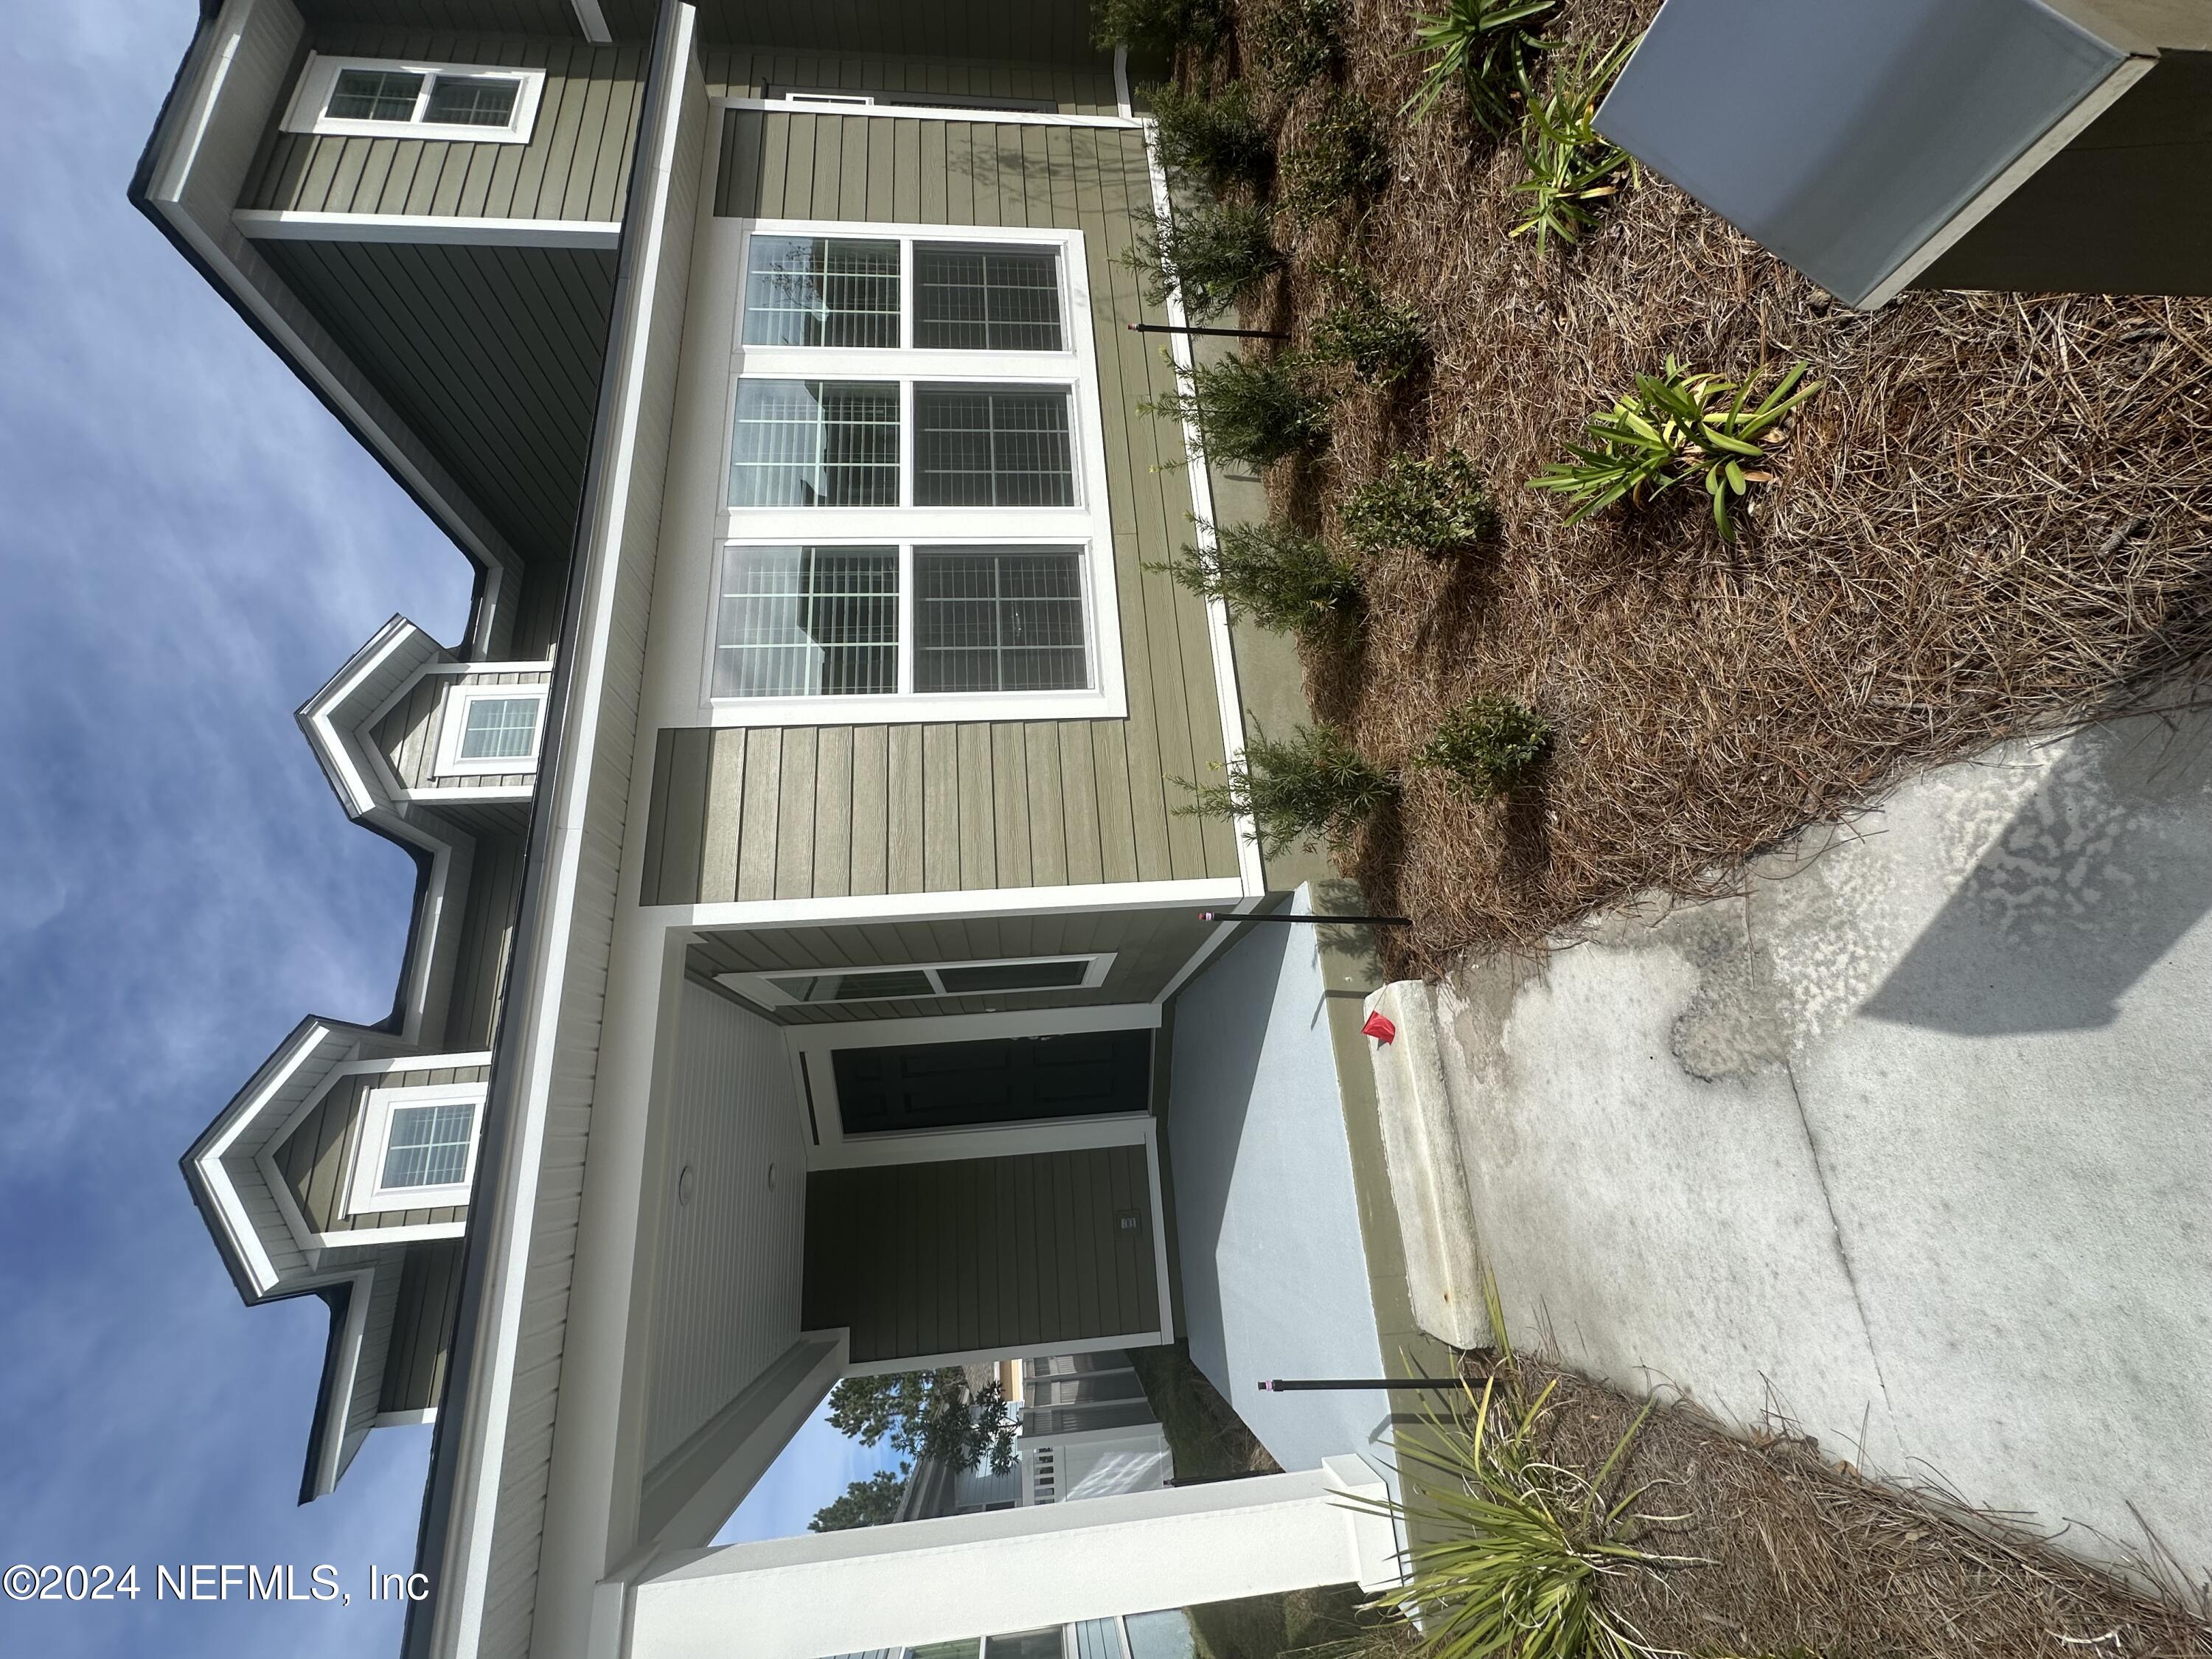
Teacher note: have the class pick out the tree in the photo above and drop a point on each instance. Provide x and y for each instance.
(869, 1503)
(928, 1414)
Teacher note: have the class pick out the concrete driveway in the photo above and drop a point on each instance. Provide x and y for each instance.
(1911, 1145)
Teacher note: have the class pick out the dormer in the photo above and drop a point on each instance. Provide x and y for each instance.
(406, 725)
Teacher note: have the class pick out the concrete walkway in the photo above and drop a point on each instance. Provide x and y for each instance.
(1912, 1144)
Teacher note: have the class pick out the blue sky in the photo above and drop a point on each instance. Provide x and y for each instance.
(189, 545)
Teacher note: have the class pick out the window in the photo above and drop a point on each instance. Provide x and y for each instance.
(787, 988)
(416, 1149)
(998, 619)
(815, 443)
(490, 730)
(821, 291)
(807, 622)
(982, 299)
(427, 1146)
(915, 510)
(992, 445)
(386, 98)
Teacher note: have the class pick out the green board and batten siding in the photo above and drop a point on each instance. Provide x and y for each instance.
(760, 72)
(316, 1159)
(575, 165)
(422, 1326)
(1012, 1255)
(786, 813)
(1149, 948)
(409, 736)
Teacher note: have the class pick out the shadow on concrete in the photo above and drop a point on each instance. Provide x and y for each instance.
(2097, 876)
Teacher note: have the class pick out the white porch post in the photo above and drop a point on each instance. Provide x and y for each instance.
(1009, 1570)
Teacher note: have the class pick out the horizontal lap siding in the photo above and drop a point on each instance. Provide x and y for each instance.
(316, 1160)
(803, 812)
(491, 354)
(422, 1326)
(487, 937)
(409, 736)
(1011, 1255)
(575, 165)
(742, 72)
(1149, 946)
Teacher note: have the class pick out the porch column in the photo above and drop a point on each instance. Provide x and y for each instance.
(1009, 1570)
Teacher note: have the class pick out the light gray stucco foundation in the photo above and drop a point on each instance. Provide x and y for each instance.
(1912, 1144)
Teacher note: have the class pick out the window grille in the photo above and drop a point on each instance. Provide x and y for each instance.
(821, 291)
(807, 622)
(999, 619)
(429, 1146)
(977, 299)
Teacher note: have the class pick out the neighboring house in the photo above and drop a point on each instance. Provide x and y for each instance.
(803, 903)
(1087, 1430)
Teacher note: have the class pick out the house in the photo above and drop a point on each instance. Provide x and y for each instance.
(809, 966)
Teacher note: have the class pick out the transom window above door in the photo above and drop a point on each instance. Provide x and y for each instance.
(916, 519)
(1008, 975)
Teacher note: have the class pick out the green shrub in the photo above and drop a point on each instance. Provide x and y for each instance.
(1516, 1549)
(1675, 427)
(1156, 27)
(1381, 341)
(1215, 139)
(1429, 506)
(1297, 42)
(1279, 577)
(1487, 49)
(1487, 745)
(1570, 167)
(1213, 251)
(1310, 788)
(1250, 409)
(1340, 157)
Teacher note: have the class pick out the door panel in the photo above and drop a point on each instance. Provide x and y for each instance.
(945, 1086)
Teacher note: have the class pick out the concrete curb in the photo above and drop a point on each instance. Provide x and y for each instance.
(1428, 1182)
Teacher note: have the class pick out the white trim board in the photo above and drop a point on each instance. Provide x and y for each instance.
(957, 905)
(289, 225)
(1228, 704)
(994, 118)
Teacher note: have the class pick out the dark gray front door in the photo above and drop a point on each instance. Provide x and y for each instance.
(943, 1085)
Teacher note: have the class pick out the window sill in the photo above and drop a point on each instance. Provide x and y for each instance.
(918, 709)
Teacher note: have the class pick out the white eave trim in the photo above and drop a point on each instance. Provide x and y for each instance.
(285, 225)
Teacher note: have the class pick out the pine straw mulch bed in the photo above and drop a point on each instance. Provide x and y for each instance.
(1805, 1557)
(1991, 523)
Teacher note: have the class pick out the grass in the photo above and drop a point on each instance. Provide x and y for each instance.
(1994, 521)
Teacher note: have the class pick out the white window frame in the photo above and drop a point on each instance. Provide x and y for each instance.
(366, 1194)
(760, 987)
(311, 101)
(1086, 524)
(452, 725)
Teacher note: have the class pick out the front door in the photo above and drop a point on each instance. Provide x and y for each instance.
(945, 1085)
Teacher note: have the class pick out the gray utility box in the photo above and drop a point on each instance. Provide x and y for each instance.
(1877, 145)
